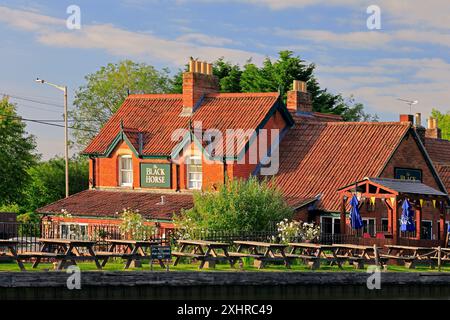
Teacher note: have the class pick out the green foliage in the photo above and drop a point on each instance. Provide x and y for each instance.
(443, 120)
(47, 181)
(29, 218)
(134, 226)
(105, 91)
(278, 75)
(17, 153)
(10, 207)
(239, 205)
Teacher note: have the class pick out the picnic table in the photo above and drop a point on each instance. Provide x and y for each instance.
(10, 245)
(206, 252)
(310, 253)
(356, 254)
(135, 252)
(63, 250)
(273, 252)
(409, 255)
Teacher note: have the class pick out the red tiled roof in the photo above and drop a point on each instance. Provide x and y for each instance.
(322, 157)
(439, 152)
(158, 116)
(101, 203)
(315, 117)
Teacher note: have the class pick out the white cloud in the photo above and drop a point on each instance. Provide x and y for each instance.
(117, 41)
(380, 82)
(368, 39)
(201, 38)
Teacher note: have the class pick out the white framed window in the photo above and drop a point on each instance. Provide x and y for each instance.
(78, 231)
(330, 225)
(194, 172)
(125, 171)
(369, 226)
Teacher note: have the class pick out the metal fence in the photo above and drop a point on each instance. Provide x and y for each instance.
(27, 234)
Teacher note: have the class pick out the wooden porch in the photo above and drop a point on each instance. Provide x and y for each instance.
(392, 193)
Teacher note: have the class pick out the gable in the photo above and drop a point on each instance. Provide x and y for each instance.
(410, 155)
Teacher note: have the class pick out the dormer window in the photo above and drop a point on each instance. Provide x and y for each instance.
(125, 171)
(194, 172)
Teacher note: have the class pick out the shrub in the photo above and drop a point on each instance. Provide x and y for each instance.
(238, 206)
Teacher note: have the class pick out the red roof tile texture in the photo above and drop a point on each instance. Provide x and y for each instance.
(439, 152)
(323, 157)
(101, 203)
(158, 116)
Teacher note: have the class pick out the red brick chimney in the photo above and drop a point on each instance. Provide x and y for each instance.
(433, 130)
(407, 118)
(298, 99)
(197, 82)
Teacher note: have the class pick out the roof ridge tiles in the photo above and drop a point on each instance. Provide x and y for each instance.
(156, 96)
(242, 94)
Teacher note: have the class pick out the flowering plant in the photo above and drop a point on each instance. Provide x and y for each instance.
(133, 225)
(297, 231)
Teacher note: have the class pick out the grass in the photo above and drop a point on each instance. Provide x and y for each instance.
(118, 265)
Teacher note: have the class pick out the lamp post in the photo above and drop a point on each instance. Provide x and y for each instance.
(66, 132)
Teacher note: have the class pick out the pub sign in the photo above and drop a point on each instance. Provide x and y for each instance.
(155, 175)
(408, 174)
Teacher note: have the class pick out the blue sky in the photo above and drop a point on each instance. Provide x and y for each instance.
(407, 58)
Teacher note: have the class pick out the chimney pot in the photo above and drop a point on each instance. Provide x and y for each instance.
(204, 68)
(209, 69)
(430, 123)
(198, 66)
(191, 65)
(418, 120)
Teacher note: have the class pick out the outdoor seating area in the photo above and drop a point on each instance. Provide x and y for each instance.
(65, 252)
(208, 254)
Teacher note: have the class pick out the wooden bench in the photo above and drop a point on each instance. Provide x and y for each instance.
(312, 261)
(179, 254)
(358, 262)
(244, 255)
(408, 261)
(37, 254)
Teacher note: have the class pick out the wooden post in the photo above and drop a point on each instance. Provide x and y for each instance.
(439, 258)
(389, 219)
(395, 222)
(343, 224)
(418, 222)
(442, 229)
(376, 256)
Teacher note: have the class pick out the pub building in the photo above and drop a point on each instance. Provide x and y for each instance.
(150, 156)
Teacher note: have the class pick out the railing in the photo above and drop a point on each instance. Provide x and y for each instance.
(27, 234)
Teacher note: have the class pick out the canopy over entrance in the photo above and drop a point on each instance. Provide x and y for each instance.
(391, 192)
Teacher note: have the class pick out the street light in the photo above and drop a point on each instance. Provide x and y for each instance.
(66, 132)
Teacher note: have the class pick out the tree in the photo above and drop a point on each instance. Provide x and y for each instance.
(443, 120)
(17, 154)
(278, 75)
(47, 181)
(239, 205)
(106, 90)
